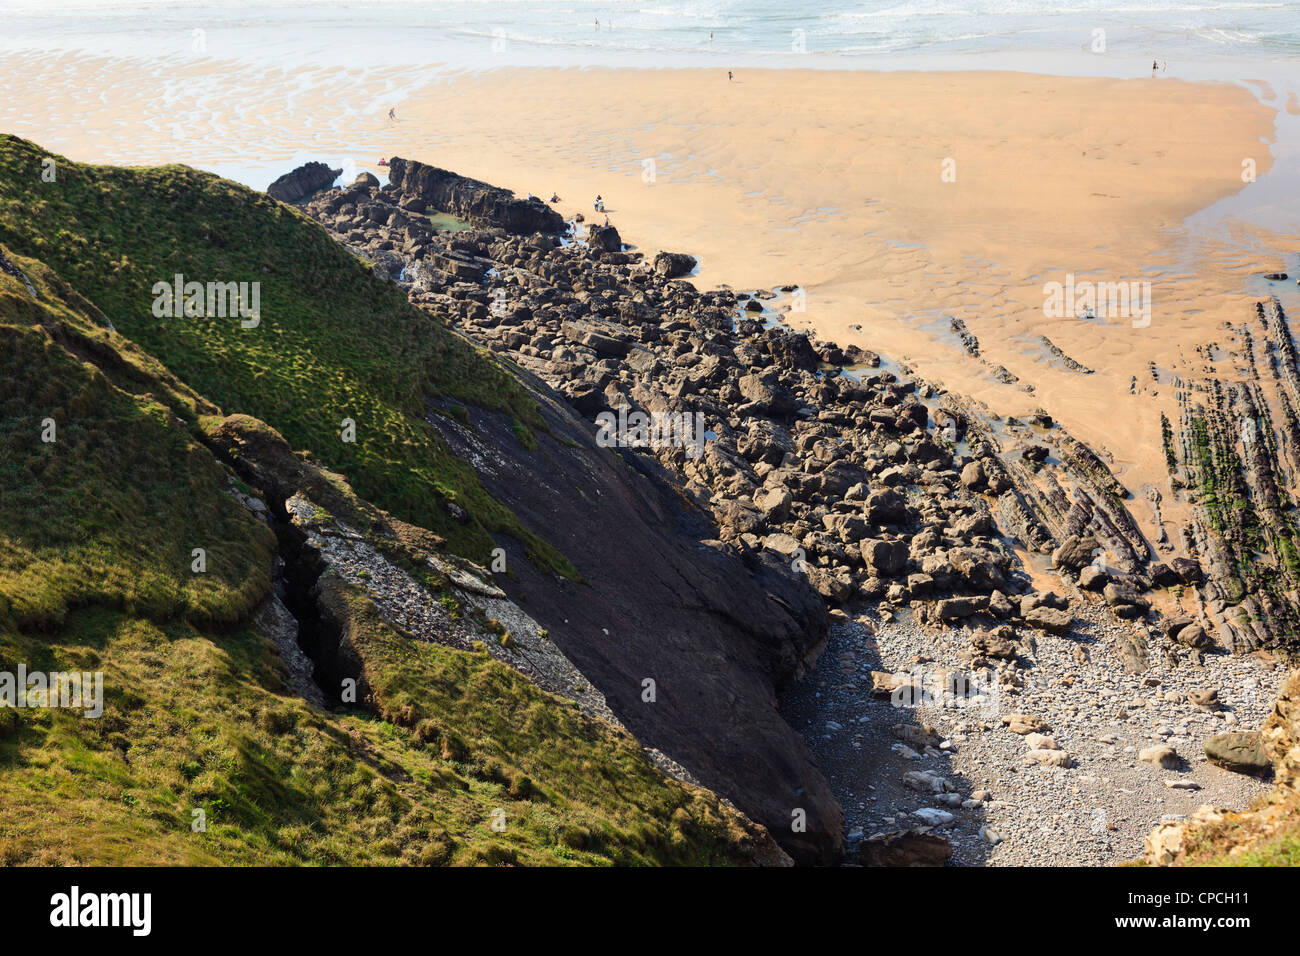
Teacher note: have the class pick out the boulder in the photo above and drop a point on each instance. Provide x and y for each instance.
(1206, 698)
(1118, 594)
(926, 781)
(1238, 752)
(1074, 553)
(782, 543)
(884, 558)
(1162, 575)
(956, 608)
(1023, 724)
(673, 265)
(1161, 755)
(1049, 619)
(917, 737)
(774, 503)
(1193, 635)
(1092, 578)
(767, 394)
(972, 476)
(604, 238)
(996, 645)
(1188, 570)
(1049, 758)
(899, 686)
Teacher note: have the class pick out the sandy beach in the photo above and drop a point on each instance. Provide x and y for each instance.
(994, 560)
(896, 201)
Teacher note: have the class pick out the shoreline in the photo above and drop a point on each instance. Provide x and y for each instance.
(829, 181)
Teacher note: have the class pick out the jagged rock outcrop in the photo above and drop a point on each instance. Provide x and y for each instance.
(480, 203)
(303, 182)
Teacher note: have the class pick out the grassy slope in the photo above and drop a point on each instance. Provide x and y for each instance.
(110, 511)
(197, 723)
(95, 537)
(334, 341)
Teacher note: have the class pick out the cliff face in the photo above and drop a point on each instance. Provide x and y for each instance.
(659, 601)
(454, 453)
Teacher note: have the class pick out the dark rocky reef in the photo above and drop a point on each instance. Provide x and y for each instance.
(482, 205)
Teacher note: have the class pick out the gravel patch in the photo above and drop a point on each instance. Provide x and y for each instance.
(976, 783)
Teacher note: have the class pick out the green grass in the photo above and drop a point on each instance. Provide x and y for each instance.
(111, 511)
(334, 341)
(97, 532)
(196, 723)
(1267, 837)
(1280, 850)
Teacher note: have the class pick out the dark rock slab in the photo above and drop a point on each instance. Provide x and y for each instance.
(483, 205)
(303, 182)
(660, 600)
(1238, 752)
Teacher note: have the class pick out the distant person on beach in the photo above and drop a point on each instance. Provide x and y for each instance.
(555, 197)
(598, 23)
(599, 204)
(730, 76)
(392, 115)
(382, 161)
(1164, 66)
(607, 220)
(1155, 67)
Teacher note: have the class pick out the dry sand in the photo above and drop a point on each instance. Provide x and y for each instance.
(832, 181)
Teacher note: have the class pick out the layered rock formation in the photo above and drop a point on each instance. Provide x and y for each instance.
(879, 490)
(418, 187)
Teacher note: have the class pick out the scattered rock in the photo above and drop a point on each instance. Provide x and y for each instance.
(1023, 724)
(1161, 755)
(1239, 752)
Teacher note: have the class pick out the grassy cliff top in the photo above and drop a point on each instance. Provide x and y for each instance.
(202, 754)
(332, 342)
